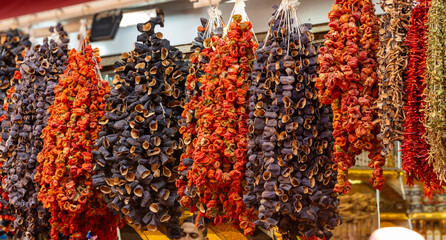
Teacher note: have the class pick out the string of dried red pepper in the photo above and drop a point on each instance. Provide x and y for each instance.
(290, 142)
(348, 81)
(201, 47)
(219, 155)
(415, 148)
(66, 162)
(27, 107)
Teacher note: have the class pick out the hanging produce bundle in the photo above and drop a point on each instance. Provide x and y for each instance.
(289, 173)
(139, 146)
(392, 59)
(415, 148)
(435, 109)
(13, 43)
(201, 47)
(21, 140)
(214, 187)
(65, 167)
(348, 81)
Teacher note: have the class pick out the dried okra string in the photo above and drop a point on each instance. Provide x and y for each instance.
(349, 82)
(28, 107)
(139, 146)
(289, 173)
(415, 150)
(13, 44)
(392, 59)
(66, 162)
(435, 95)
(219, 155)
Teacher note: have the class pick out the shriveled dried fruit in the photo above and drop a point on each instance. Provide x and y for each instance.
(27, 110)
(66, 162)
(349, 82)
(139, 146)
(13, 43)
(201, 47)
(290, 142)
(216, 178)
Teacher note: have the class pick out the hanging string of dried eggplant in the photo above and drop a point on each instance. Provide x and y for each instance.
(28, 105)
(392, 59)
(13, 43)
(140, 144)
(219, 155)
(289, 173)
(415, 148)
(348, 81)
(201, 48)
(435, 95)
(66, 162)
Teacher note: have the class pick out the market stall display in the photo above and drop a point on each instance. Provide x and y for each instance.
(21, 141)
(392, 59)
(415, 148)
(139, 146)
(349, 82)
(65, 167)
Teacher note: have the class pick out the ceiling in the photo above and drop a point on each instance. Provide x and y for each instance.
(15, 8)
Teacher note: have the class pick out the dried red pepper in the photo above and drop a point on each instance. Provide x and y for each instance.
(415, 148)
(66, 162)
(219, 156)
(348, 81)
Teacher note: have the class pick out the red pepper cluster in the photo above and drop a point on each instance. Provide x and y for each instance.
(348, 81)
(66, 163)
(415, 148)
(219, 156)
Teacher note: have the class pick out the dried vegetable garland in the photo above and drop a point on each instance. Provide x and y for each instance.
(66, 163)
(219, 155)
(27, 111)
(435, 109)
(392, 59)
(201, 47)
(289, 173)
(140, 145)
(415, 148)
(13, 43)
(348, 81)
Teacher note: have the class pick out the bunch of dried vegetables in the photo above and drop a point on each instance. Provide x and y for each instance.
(139, 146)
(21, 136)
(349, 82)
(220, 145)
(289, 173)
(201, 47)
(66, 162)
(435, 94)
(13, 43)
(415, 148)
(392, 59)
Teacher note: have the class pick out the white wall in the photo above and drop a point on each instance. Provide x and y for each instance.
(181, 21)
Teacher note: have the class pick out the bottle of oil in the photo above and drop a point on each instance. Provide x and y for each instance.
(437, 231)
(421, 229)
(429, 231)
(443, 230)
